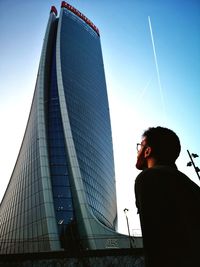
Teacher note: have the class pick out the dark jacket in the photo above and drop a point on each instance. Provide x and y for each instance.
(168, 203)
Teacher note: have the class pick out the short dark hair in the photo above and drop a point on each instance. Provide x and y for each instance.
(164, 142)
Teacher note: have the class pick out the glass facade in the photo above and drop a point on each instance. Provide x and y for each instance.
(87, 104)
(27, 216)
(62, 188)
(62, 196)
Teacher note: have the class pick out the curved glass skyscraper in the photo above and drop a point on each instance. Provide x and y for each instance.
(62, 192)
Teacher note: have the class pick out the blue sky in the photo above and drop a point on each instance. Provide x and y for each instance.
(136, 99)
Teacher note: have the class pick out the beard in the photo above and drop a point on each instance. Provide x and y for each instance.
(141, 163)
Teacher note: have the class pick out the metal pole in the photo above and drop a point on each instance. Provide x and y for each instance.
(128, 227)
(195, 168)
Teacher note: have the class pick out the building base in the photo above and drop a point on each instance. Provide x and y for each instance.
(99, 258)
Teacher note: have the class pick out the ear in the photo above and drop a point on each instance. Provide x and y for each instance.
(147, 152)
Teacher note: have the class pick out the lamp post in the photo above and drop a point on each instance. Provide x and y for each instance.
(191, 163)
(125, 211)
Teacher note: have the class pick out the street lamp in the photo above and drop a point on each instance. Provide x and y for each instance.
(191, 163)
(125, 211)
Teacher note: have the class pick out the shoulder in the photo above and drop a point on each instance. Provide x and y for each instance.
(159, 176)
(151, 174)
(163, 176)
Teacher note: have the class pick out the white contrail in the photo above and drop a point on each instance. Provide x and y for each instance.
(157, 69)
(141, 95)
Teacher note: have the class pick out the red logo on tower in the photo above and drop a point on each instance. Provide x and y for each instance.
(80, 15)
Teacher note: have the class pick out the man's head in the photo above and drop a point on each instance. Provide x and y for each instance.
(159, 146)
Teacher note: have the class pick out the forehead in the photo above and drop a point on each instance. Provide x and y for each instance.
(144, 141)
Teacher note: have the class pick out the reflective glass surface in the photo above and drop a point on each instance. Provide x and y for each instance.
(87, 104)
(58, 159)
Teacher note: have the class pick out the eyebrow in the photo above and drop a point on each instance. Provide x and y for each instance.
(143, 142)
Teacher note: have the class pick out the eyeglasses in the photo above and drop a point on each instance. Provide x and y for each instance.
(138, 146)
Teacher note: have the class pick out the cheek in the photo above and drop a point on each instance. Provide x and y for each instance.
(140, 164)
(140, 154)
(140, 157)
